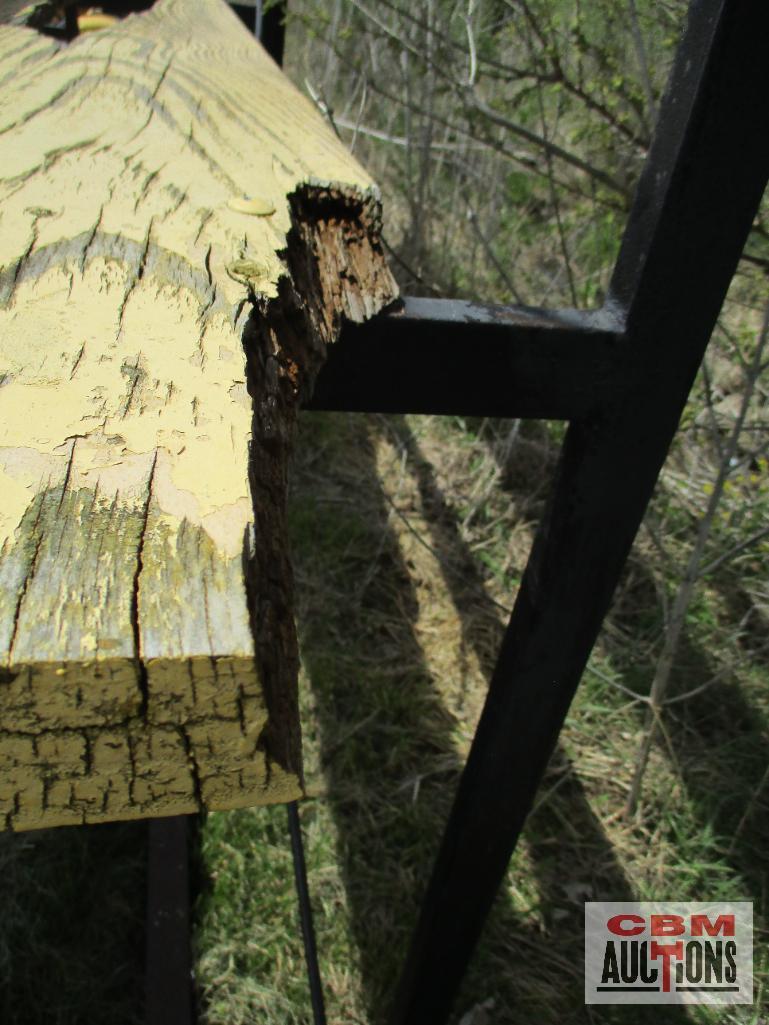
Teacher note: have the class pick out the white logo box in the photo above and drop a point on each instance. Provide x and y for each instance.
(668, 952)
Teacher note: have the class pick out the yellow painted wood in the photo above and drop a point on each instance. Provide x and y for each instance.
(145, 222)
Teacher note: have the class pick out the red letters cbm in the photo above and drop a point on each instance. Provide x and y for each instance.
(670, 925)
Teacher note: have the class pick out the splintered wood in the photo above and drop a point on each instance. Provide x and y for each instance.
(180, 237)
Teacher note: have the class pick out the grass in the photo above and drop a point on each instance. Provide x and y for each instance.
(409, 536)
(400, 617)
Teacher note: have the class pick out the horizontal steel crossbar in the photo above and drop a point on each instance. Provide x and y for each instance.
(471, 359)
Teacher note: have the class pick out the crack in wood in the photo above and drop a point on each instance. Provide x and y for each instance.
(142, 677)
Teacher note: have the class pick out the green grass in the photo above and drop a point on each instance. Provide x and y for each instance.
(400, 612)
(399, 626)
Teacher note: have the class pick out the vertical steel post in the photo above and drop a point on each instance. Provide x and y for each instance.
(272, 29)
(168, 956)
(699, 192)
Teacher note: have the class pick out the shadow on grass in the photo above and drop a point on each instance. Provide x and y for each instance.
(389, 747)
(72, 925)
(717, 740)
(717, 743)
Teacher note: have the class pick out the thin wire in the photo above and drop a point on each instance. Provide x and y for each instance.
(305, 916)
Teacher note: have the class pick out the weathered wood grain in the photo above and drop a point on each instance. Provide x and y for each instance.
(180, 236)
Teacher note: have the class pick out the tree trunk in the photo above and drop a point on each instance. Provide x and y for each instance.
(180, 237)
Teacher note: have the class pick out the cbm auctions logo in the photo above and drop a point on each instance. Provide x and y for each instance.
(668, 953)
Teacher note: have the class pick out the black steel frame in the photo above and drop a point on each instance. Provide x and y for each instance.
(621, 377)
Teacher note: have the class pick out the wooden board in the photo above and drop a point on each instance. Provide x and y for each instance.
(180, 236)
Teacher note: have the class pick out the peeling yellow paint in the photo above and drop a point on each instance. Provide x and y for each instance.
(127, 268)
(257, 206)
(168, 390)
(94, 22)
